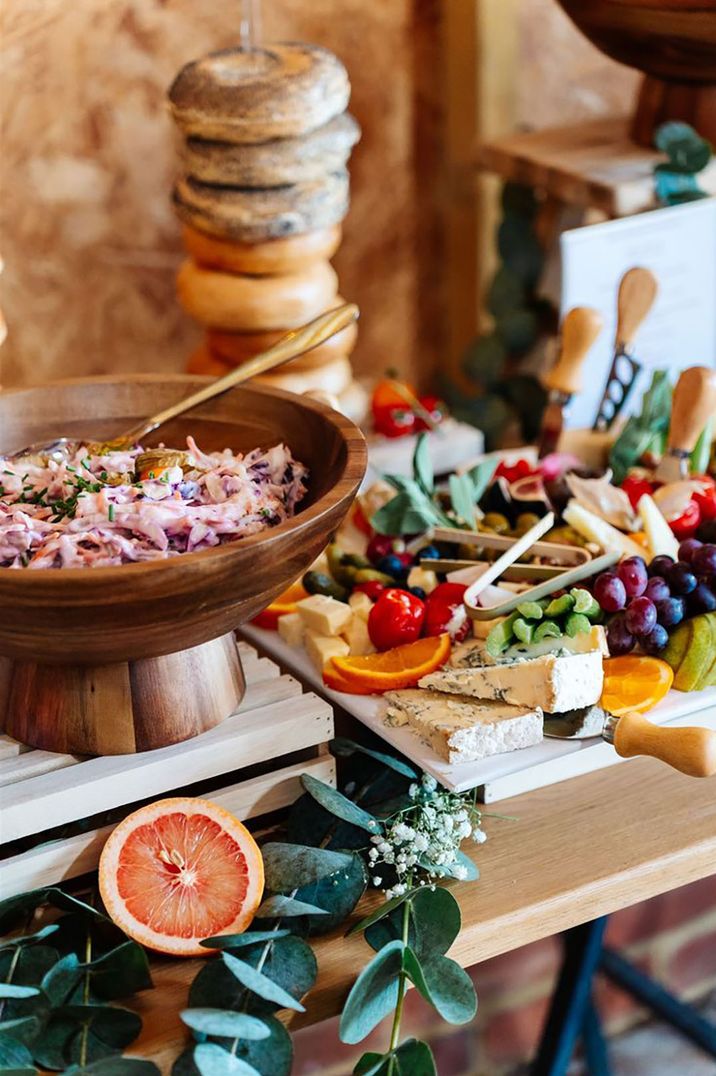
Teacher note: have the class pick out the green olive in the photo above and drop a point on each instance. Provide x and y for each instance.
(496, 522)
(525, 520)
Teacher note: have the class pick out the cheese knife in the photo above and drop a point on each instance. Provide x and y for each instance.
(692, 405)
(691, 750)
(580, 328)
(637, 292)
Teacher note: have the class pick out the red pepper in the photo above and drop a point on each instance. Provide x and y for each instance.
(435, 407)
(685, 525)
(513, 471)
(360, 520)
(635, 488)
(373, 588)
(380, 545)
(706, 500)
(387, 396)
(445, 612)
(396, 618)
(394, 421)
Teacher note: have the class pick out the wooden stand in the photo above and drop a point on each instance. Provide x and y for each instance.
(121, 708)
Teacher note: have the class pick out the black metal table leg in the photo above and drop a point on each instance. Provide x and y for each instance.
(681, 1016)
(583, 946)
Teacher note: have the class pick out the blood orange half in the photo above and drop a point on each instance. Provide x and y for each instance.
(178, 871)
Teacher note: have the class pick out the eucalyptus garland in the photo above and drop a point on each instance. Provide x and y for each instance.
(390, 829)
(687, 154)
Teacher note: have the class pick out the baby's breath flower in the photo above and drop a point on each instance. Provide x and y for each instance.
(428, 782)
(479, 836)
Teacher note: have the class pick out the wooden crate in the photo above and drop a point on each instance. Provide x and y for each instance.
(40, 790)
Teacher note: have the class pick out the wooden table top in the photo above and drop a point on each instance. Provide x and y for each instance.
(577, 850)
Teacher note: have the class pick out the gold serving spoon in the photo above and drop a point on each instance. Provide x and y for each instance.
(294, 343)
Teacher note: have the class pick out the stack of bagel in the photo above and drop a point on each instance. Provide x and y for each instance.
(262, 193)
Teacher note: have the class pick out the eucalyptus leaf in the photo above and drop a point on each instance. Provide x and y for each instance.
(672, 187)
(373, 995)
(462, 499)
(519, 330)
(381, 912)
(115, 1066)
(24, 903)
(673, 131)
(260, 984)
(405, 514)
(111, 1024)
(272, 1056)
(436, 917)
(225, 1023)
(444, 984)
(60, 981)
(520, 249)
(337, 895)
(240, 941)
(290, 866)
(120, 972)
(370, 1064)
(481, 475)
(23, 1029)
(76, 1033)
(415, 1058)
(339, 805)
(14, 1055)
(484, 360)
(213, 1060)
(289, 963)
(344, 748)
(12, 990)
(279, 906)
(463, 863)
(422, 465)
(28, 939)
(506, 292)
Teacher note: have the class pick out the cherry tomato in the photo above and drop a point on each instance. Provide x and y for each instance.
(380, 545)
(706, 500)
(445, 612)
(435, 407)
(635, 488)
(373, 588)
(394, 421)
(685, 525)
(360, 520)
(386, 396)
(396, 618)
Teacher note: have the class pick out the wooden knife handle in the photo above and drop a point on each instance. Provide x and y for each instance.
(580, 328)
(691, 750)
(693, 403)
(637, 292)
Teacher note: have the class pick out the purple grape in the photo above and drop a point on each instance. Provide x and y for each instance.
(610, 592)
(704, 560)
(657, 589)
(670, 611)
(633, 575)
(660, 565)
(640, 616)
(701, 600)
(619, 638)
(680, 578)
(656, 640)
(687, 548)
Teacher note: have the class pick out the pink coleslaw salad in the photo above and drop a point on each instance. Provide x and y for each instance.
(80, 510)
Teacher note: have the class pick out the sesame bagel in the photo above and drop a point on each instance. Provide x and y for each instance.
(289, 255)
(276, 163)
(254, 216)
(250, 303)
(278, 91)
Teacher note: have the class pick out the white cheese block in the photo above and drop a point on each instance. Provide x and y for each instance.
(422, 577)
(361, 604)
(551, 682)
(321, 648)
(461, 729)
(324, 615)
(357, 637)
(291, 629)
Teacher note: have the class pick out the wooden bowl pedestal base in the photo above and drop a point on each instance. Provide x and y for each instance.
(121, 708)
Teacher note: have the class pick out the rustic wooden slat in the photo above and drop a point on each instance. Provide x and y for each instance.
(10, 748)
(64, 859)
(98, 784)
(31, 764)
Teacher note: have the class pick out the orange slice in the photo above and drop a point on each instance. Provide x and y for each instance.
(285, 603)
(178, 871)
(633, 682)
(337, 681)
(400, 667)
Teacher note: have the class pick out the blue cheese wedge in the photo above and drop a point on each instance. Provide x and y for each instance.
(553, 682)
(461, 729)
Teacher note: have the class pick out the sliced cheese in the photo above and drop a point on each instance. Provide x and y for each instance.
(661, 538)
(324, 615)
(361, 604)
(357, 637)
(462, 730)
(597, 530)
(321, 648)
(552, 682)
(291, 629)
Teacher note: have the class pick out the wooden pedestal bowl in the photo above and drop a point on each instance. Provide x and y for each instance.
(117, 660)
(673, 42)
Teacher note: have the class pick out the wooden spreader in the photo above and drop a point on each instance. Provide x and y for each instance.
(116, 660)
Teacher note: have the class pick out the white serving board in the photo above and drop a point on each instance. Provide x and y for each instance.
(502, 775)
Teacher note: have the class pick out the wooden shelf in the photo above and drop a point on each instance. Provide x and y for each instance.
(592, 165)
(575, 851)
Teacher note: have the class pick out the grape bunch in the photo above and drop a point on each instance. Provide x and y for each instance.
(648, 603)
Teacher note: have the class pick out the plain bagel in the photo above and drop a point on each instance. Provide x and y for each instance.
(238, 348)
(276, 163)
(250, 303)
(278, 91)
(334, 378)
(253, 216)
(274, 256)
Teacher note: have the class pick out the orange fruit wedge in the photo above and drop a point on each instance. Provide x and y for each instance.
(337, 681)
(634, 682)
(285, 603)
(390, 670)
(178, 871)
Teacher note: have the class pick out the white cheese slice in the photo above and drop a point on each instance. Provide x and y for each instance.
(321, 648)
(461, 729)
(324, 615)
(361, 604)
(357, 637)
(551, 682)
(291, 629)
